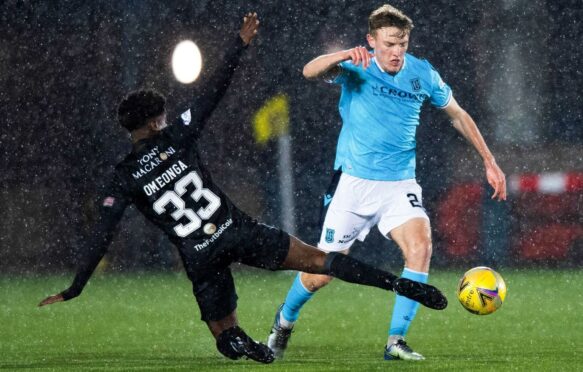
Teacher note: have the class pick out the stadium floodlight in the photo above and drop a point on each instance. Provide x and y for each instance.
(186, 62)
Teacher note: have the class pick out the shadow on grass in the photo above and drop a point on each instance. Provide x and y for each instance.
(125, 361)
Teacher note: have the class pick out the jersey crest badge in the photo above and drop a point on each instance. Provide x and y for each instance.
(416, 85)
(329, 235)
(109, 201)
(186, 117)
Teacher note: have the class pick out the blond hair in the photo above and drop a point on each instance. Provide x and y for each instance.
(389, 16)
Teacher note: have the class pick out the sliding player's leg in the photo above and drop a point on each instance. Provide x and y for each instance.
(306, 258)
(215, 293)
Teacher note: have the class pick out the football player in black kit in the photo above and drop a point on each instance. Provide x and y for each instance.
(164, 178)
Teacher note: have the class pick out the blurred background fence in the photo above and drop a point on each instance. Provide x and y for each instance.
(515, 65)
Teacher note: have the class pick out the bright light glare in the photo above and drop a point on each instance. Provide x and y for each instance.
(186, 62)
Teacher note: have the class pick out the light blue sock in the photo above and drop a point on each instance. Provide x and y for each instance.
(297, 296)
(405, 309)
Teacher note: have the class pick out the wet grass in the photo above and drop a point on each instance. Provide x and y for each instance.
(151, 322)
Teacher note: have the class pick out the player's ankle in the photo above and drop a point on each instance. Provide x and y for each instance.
(284, 323)
(394, 338)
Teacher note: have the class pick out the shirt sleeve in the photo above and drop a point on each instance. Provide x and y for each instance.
(440, 92)
(111, 206)
(190, 123)
(342, 76)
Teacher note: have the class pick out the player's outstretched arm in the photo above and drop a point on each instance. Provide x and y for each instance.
(464, 123)
(249, 28)
(215, 87)
(93, 249)
(327, 64)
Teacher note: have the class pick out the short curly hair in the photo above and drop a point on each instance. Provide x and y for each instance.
(138, 107)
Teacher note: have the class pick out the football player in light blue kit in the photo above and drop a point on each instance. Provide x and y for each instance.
(374, 183)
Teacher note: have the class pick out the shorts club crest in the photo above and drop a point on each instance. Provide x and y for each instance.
(329, 235)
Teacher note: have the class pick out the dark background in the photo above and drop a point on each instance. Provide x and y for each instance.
(64, 65)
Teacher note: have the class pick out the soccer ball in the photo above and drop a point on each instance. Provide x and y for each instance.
(481, 290)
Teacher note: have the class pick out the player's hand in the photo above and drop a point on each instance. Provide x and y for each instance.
(249, 28)
(52, 299)
(496, 179)
(359, 55)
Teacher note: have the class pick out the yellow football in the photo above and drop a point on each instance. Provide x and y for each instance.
(481, 290)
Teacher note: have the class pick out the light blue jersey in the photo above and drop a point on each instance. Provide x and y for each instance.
(380, 114)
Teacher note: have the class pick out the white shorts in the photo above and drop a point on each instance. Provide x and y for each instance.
(359, 204)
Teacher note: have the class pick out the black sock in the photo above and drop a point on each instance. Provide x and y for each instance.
(350, 270)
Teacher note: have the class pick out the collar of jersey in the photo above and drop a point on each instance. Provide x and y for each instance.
(398, 72)
(140, 144)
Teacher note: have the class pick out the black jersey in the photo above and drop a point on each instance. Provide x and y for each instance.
(164, 178)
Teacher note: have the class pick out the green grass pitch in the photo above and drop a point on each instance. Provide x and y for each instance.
(151, 322)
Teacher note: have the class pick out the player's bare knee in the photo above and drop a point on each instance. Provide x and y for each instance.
(313, 282)
(419, 251)
(304, 257)
(316, 262)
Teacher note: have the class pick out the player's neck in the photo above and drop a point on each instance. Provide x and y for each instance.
(141, 134)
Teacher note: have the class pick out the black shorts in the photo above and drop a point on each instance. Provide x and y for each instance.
(249, 242)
